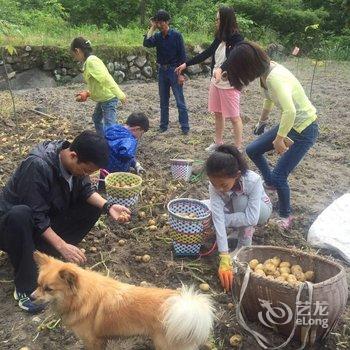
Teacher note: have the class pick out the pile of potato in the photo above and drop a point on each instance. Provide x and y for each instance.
(121, 184)
(281, 271)
(188, 215)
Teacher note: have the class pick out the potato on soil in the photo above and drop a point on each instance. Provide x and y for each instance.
(204, 287)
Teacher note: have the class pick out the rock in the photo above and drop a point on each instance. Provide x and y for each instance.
(134, 70)
(140, 61)
(64, 71)
(195, 69)
(28, 48)
(138, 76)
(78, 79)
(119, 76)
(130, 58)
(207, 61)
(31, 79)
(65, 79)
(205, 68)
(9, 59)
(26, 54)
(147, 71)
(1, 63)
(11, 75)
(197, 49)
(49, 65)
(110, 67)
(57, 77)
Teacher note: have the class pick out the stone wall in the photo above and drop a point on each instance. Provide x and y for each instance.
(124, 63)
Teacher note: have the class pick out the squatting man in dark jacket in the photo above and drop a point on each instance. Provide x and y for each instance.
(49, 205)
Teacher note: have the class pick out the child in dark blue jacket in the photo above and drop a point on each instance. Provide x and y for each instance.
(122, 141)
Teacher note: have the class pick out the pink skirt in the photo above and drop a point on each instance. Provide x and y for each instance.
(224, 101)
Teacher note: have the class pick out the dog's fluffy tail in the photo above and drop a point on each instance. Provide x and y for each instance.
(188, 317)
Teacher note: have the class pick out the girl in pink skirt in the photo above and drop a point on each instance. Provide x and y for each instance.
(223, 98)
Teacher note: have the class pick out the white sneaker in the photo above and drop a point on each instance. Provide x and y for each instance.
(211, 148)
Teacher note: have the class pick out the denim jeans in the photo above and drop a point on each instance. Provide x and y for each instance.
(168, 78)
(106, 112)
(287, 162)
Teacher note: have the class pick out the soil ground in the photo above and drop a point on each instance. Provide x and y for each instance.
(321, 177)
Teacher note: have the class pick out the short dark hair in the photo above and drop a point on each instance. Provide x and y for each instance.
(228, 23)
(82, 44)
(91, 147)
(138, 119)
(226, 161)
(161, 15)
(246, 62)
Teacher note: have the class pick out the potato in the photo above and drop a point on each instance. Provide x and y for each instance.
(253, 263)
(153, 228)
(285, 275)
(296, 268)
(142, 214)
(138, 258)
(276, 274)
(276, 261)
(151, 222)
(93, 249)
(269, 268)
(300, 276)
(284, 269)
(310, 276)
(292, 280)
(121, 242)
(236, 340)
(259, 267)
(192, 215)
(270, 277)
(230, 306)
(204, 287)
(268, 261)
(259, 272)
(281, 279)
(122, 184)
(146, 258)
(285, 264)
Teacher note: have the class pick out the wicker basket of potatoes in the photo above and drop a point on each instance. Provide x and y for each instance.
(275, 284)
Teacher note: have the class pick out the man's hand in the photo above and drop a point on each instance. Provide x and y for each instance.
(179, 69)
(82, 96)
(181, 79)
(119, 213)
(72, 253)
(259, 127)
(225, 271)
(279, 145)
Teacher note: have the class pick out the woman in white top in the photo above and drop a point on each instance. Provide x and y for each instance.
(223, 98)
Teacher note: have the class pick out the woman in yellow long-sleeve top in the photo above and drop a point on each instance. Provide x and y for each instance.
(297, 130)
(101, 86)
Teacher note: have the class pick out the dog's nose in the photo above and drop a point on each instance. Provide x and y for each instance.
(33, 296)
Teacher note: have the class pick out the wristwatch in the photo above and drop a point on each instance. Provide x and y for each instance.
(106, 207)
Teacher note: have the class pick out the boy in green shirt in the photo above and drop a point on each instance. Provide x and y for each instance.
(101, 86)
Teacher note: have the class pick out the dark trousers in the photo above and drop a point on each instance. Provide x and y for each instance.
(167, 78)
(19, 238)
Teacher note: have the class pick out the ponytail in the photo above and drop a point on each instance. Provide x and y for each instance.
(83, 44)
(226, 161)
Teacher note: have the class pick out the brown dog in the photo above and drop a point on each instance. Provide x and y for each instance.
(98, 308)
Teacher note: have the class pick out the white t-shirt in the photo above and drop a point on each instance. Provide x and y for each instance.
(220, 58)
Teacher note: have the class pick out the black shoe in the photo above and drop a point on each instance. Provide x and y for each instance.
(26, 303)
(162, 129)
(185, 132)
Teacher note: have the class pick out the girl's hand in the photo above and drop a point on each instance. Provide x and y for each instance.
(279, 145)
(180, 68)
(217, 75)
(82, 96)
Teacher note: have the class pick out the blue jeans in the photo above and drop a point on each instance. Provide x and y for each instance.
(168, 78)
(287, 162)
(106, 112)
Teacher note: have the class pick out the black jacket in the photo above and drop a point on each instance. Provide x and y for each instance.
(39, 184)
(210, 51)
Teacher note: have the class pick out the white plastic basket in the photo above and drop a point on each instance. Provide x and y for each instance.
(181, 169)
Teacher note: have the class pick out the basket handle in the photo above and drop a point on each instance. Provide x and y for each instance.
(104, 172)
(260, 339)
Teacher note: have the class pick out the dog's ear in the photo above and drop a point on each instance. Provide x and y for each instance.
(70, 277)
(40, 258)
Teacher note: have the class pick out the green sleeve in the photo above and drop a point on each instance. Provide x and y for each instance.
(282, 92)
(98, 71)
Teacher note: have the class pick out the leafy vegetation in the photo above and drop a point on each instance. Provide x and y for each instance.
(320, 28)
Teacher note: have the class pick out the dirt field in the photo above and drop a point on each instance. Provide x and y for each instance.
(322, 176)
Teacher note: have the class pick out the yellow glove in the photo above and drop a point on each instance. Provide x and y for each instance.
(226, 271)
